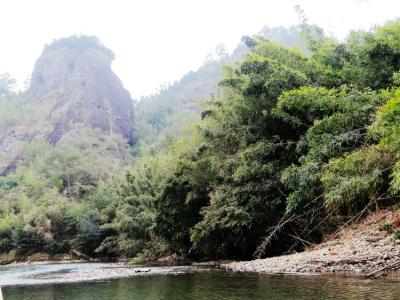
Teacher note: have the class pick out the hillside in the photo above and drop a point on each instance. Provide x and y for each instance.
(64, 148)
(296, 144)
(176, 105)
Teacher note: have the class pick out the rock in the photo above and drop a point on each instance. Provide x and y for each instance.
(73, 75)
(142, 270)
(373, 239)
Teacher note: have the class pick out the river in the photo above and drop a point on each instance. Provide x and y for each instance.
(46, 282)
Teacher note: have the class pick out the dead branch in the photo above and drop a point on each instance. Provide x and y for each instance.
(282, 222)
(381, 271)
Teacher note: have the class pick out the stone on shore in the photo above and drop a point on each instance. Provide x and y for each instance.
(358, 249)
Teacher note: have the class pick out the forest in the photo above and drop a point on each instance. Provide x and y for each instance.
(299, 139)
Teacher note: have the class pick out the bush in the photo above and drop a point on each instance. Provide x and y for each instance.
(26, 241)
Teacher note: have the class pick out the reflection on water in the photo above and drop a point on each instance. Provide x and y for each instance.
(214, 285)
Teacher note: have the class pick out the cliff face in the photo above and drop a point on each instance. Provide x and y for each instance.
(72, 87)
(73, 77)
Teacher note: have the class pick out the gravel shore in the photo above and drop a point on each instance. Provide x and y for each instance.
(359, 249)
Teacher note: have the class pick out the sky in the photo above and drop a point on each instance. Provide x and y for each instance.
(158, 41)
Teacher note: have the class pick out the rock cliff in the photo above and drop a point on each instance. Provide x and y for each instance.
(72, 87)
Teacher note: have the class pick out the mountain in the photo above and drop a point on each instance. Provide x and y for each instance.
(73, 95)
(180, 103)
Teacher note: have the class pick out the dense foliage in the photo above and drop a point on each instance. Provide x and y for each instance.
(299, 141)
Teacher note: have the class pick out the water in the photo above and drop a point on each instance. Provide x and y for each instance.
(208, 285)
(40, 274)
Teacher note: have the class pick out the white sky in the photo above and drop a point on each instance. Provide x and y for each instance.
(158, 41)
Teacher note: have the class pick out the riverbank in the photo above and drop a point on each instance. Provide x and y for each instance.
(358, 249)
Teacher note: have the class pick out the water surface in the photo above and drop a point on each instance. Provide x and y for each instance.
(211, 284)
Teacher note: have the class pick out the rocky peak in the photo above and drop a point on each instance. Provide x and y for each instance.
(73, 78)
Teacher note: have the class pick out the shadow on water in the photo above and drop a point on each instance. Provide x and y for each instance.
(216, 285)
